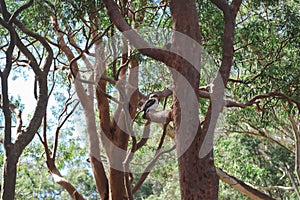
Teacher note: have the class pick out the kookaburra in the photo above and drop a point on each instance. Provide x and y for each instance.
(150, 104)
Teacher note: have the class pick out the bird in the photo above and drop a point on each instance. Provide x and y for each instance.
(150, 104)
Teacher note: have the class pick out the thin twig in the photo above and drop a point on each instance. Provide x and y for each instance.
(149, 168)
(152, 163)
(60, 126)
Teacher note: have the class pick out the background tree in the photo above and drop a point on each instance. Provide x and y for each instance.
(269, 116)
(15, 145)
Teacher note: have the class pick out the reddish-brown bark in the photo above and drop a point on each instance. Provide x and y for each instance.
(87, 102)
(197, 176)
(60, 180)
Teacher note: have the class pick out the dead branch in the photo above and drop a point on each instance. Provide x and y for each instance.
(287, 169)
(267, 136)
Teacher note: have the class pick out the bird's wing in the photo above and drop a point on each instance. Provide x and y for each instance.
(148, 103)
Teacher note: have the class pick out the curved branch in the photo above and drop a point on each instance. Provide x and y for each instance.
(60, 125)
(4, 79)
(66, 185)
(49, 58)
(134, 38)
(9, 51)
(230, 103)
(19, 10)
(221, 4)
(27, 135)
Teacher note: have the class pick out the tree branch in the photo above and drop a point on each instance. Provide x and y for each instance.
(66, 184)
(221, 4)
(242, 187)
(60, 124)
(149, 168)
(264, 135)
(25, 137)
(276, 187)
(49, 58)
(230, 103)
(126, 165)
(19, 10)
(230, 13)
(235, 5)
(100, 178)
(145, 136)
(4, 11)
(287, 168)
(134, 38)
(50, 161)
(4, 78)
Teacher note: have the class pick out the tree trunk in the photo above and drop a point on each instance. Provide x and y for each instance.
(116, 154)
(198, 178)
(9, 175)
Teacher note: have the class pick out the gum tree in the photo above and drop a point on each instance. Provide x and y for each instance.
(91, 54)
(198, 178)
(14, 146)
